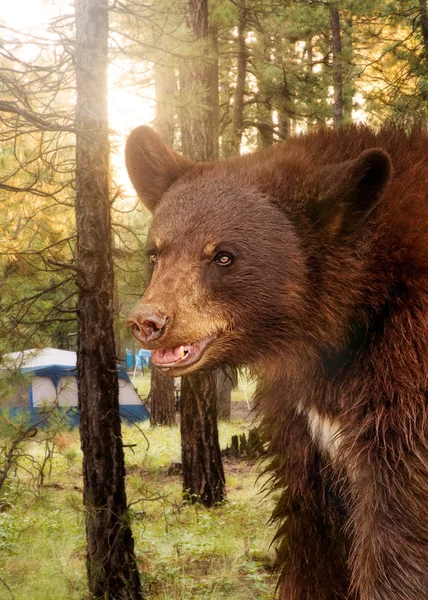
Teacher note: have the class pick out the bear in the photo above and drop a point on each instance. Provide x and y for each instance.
(308, 262)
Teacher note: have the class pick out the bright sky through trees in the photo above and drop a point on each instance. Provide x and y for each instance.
(27, 13)
(127, 108)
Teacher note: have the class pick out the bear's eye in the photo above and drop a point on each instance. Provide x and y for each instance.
(152, 255)
(224, 259)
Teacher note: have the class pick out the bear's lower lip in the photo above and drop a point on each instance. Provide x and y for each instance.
(180, 356)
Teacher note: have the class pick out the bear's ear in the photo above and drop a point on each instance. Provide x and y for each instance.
(152, 166)
(351, 190)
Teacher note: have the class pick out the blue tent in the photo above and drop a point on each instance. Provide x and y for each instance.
(138, 359)
(50, 379)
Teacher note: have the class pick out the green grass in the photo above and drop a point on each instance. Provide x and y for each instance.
(142, 382)
(245, 390)
(183, 552)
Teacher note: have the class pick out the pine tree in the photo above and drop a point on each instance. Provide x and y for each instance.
(111, 567)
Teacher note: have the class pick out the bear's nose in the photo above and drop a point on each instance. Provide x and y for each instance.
(146, 323)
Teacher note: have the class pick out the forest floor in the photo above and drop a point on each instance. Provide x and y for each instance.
(183, 552)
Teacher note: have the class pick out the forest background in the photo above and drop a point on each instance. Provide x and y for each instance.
(215, 79)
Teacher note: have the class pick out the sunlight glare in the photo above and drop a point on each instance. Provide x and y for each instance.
(128, 106)
(21, 14)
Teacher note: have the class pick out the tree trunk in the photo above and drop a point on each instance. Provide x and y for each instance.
(337, 66)
(111, 567)
(214, 93)
(195, 79)
(285, 110)
(165, 87)
(226, 381)
(424, 25)
(284, 126)
(348, 61)
(265, 123)
(311, 120)
(162, 399)
(203, 475)
(238, 97)
(117, 324)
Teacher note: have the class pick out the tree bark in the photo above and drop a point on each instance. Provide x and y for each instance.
(226, 381)
(285, 110)
(162, 399)
(195, 79)
(111, 566)
(238, 97)
(336, 66)
(214, 93)
(203, 475)
(311, 93)
(424, 25)
(264, 123)
(348, 61)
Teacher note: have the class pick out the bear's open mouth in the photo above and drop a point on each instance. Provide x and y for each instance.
(184, 355)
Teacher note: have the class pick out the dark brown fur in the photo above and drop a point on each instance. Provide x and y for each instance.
(328, 301)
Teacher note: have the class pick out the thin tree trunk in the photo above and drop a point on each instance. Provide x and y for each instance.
(238, 97)
(336, 66)
(264, 106)
(165, 88)
(285, 110)
(195, 78)
(226, 381)
(162, 399)
(203, 475)
(424, 25)
(214, 93)
(111, 567)
(265, 124)
(312, 117)
(117, 324)
(284, 126)
(348, 60)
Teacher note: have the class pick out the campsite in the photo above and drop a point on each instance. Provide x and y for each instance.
(49, 377)
(213, 300)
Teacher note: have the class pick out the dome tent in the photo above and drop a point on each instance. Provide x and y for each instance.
(50, 378)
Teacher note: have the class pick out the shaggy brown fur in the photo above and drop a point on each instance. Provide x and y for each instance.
(327, 298)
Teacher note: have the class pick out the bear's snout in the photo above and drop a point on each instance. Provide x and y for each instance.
(147, 323)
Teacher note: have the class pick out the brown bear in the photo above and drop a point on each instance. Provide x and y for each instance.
(308, 261)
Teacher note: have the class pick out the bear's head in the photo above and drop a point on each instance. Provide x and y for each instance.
(229, 249)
